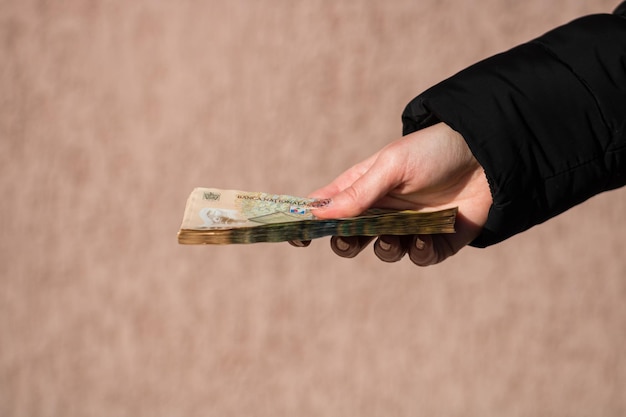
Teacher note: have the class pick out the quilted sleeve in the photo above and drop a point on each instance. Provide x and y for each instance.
(546, 120)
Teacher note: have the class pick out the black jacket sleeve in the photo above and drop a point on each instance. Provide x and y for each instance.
(546, 120)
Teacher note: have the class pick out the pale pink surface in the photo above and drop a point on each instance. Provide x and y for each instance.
(111, 113)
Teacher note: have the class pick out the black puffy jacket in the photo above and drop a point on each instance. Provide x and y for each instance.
(546, 120)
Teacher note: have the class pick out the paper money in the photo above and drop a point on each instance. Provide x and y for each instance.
(214, 216)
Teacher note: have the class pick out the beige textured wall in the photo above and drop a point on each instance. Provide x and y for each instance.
(112, 111)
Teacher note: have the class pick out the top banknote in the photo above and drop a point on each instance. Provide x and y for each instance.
(214, 216)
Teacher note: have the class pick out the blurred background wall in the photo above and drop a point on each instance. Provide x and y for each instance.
(112, 111)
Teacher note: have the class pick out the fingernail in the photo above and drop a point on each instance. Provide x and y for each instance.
(389, 248)
(420, 244)
(384, 245)
(321, 203)
(341, 244)
(349, 246)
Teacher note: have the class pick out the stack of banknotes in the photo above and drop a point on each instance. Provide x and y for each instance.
(214, 216)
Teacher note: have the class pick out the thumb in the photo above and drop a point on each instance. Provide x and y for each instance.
(359, 196)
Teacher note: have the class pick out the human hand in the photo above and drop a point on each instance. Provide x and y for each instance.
(429, 169)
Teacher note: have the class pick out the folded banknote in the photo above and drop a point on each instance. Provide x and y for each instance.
(214, 216)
